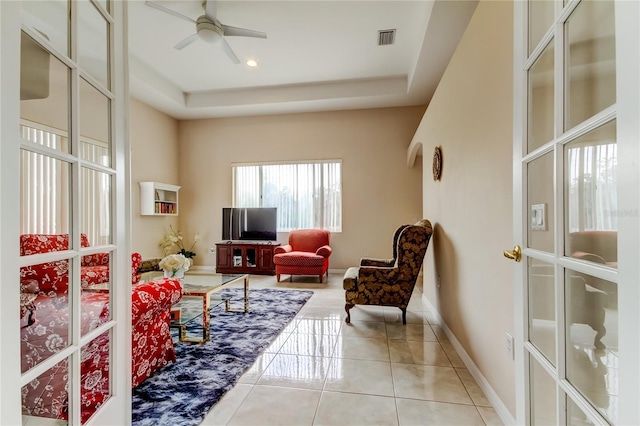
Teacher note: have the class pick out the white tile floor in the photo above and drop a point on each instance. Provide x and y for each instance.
(376, 371)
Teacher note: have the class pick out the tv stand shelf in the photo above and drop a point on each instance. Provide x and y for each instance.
(245, 257)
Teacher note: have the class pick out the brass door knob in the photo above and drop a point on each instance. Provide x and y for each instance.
(515, 254)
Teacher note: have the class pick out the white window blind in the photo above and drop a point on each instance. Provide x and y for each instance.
(592, 188)
(45, 187)
(307, 195)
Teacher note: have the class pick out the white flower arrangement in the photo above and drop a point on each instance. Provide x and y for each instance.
(174, 263)
(175, 239)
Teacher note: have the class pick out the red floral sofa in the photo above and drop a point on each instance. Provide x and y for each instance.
(47, 331)
(307, 253)
(52, 276)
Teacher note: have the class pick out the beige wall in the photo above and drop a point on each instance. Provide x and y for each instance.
(154, 157)
(379, 191)
(470, 116)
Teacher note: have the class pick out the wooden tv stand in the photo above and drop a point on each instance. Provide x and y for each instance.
(246, 257)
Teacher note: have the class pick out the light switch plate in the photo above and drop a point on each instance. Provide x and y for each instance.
(538, 217)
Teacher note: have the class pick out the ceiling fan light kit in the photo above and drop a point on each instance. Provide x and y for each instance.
(209, 29)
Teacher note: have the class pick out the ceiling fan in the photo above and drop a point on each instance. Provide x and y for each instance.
(209, 28)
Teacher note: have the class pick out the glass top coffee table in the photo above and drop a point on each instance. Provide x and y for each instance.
(198, 298)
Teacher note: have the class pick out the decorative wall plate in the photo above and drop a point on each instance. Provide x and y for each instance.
(437, 163)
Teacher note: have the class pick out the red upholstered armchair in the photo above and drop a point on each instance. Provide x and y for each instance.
(307, 253)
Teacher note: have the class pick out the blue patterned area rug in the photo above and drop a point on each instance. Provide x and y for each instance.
(182, 393)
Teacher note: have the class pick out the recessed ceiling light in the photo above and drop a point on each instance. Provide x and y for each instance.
(252, 63)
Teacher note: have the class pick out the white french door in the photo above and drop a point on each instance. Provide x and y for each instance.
(66, 359)
(576, 213)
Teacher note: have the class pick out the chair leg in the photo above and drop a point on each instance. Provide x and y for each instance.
(347, 307)
(32, 316)
(320, 276)
(404, 315)
(278, 277)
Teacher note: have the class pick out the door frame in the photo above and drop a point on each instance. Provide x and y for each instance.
(10, 401)
(628, 100)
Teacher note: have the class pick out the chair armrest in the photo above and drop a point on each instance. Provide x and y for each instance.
(376, 274)
(283, 249)
(151, 299)
(324, 251)
(589, 257)
(136, 261)
(365, 261)
(350, 280)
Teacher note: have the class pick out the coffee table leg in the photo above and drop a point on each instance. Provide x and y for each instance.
(246, 298)
(205, 319)
(246, 294)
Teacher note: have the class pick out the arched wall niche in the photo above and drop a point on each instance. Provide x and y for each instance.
(414, 150)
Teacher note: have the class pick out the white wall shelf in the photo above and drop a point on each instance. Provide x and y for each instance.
(158, 199)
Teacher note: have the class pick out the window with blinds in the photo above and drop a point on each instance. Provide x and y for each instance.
(307, 195)
(45, 186)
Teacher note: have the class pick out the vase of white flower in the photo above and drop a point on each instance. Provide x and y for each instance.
(175, 265)
(174, 273)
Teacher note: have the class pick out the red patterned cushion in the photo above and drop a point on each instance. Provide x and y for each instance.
(298, 258)
(42, 243)
(46, 396)
(94, 275)
(308, 239)
(97, 259)
(51, 276)
(45, 243)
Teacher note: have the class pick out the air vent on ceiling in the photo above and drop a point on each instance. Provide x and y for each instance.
(386, 37)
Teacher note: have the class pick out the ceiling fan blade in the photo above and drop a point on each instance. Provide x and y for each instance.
(187, 41)
(210, 9)
(169, 11)
(229, 51)
(242, 32)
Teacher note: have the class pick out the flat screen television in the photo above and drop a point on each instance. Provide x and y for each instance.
(245, 223)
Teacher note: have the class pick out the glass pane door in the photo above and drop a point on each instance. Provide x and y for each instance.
(569, 163)
(66, 211)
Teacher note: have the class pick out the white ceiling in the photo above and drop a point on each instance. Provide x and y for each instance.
(318, 56)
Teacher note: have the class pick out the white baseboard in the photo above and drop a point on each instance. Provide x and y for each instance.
(501, 410)
(205, 268)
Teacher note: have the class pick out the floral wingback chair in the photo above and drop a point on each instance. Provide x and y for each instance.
(376, 282)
